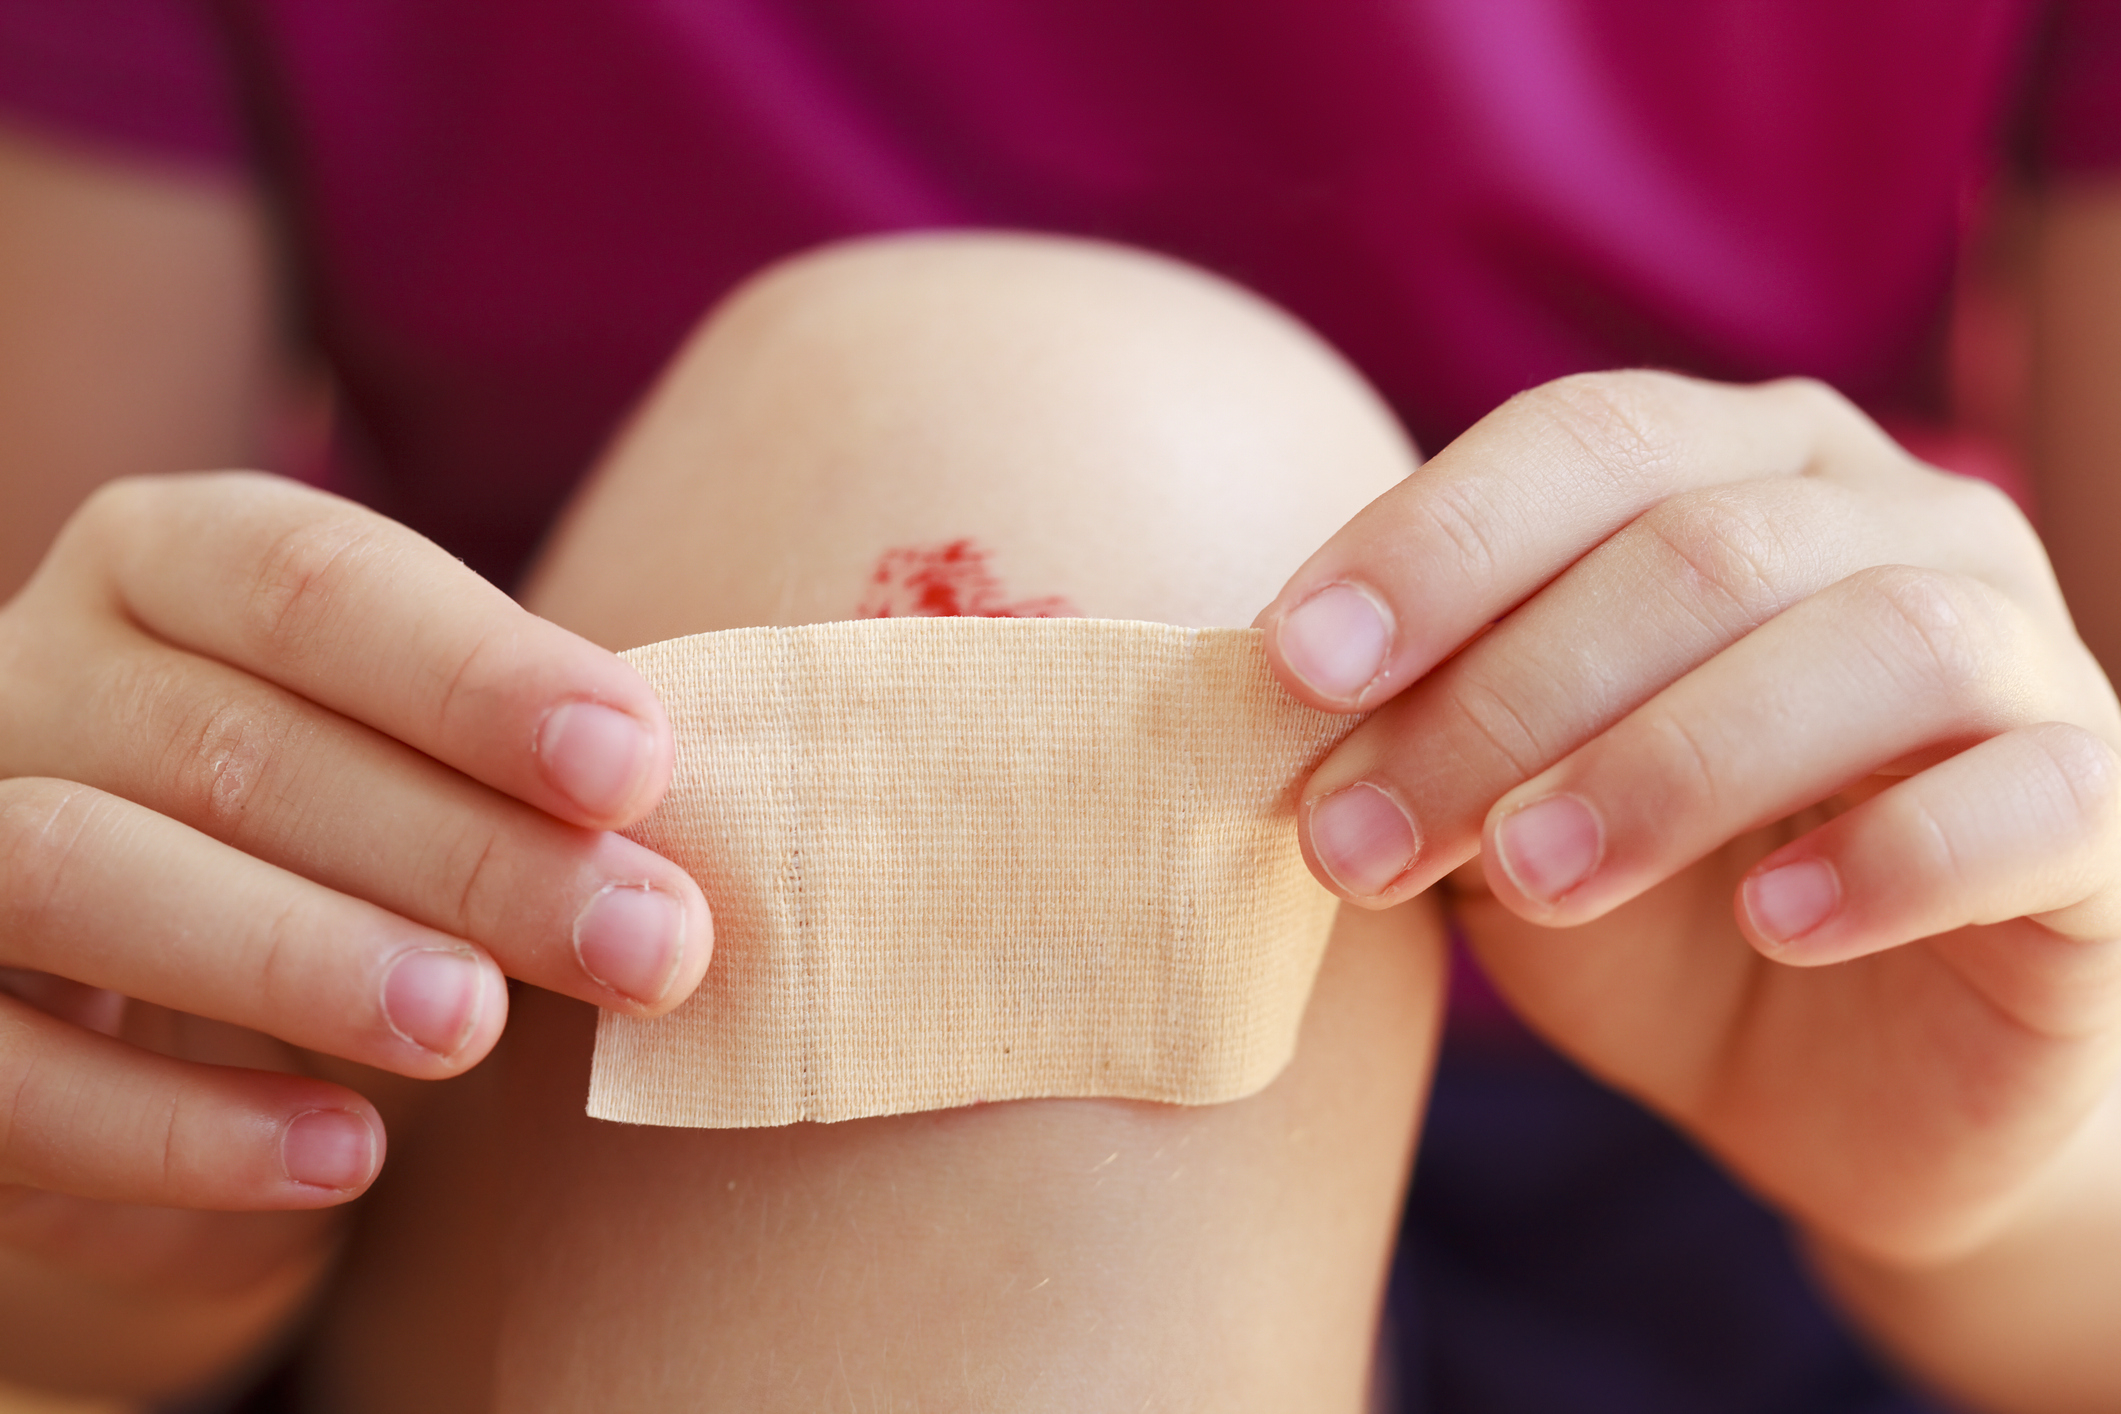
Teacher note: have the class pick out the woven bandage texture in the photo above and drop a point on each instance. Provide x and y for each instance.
(957, 860)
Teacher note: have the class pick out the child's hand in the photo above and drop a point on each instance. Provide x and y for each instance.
(1757, 693)
(272, 760)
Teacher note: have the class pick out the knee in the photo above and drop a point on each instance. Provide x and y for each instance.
(1022, 342)
(1166, 443)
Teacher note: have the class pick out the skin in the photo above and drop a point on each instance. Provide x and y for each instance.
(87, 246)
(1981, 1203)
(1932, 630)
(1831, 814)
(1118, 432)
(320, 742)
(242, 806)
(2011, 1321)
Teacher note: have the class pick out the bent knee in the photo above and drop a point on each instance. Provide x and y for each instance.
(1137, 437)
(1091, 341)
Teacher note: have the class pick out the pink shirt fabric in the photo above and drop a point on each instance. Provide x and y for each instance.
(503, 217)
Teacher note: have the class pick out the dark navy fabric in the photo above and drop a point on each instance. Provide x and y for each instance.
(1565, 1252)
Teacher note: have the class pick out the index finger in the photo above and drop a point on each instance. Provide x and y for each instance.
(361, 615)
(1521, 496)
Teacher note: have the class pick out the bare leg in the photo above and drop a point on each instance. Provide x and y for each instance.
(1145, 444)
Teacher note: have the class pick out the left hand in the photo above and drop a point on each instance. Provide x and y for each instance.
(1792, 733)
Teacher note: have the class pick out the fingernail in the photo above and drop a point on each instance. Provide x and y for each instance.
(1363, 839)
(594, 755)
(1787, 902)
(432, 998)
(1336, 641)
(630, 938)
(1550, 847)
(328, 1149)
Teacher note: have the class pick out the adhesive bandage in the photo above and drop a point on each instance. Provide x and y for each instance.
(955, 859)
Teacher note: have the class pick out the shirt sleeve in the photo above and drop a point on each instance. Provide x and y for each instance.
(2075, 116)
(153, 77)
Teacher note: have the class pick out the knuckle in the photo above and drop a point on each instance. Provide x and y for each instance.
(1623, 422)
(1839, 429)
(1929, 856)
(116, 503)
(1938, 625)
(185, 1144)
(220, 755)
(1685, 765)
(1839, 426)
(1452, 511)
(22, 1093)
(470, 870)
(471, 679)
(299, 584)
(1821, 399)
(277, 972)
(207, 754)
(2086, 772)
(1724, 544)
(224, 763)
(44, 826)
(1487, 710)
(104, 520)
(1986, 505)
(1995, 533)
(169, 1152)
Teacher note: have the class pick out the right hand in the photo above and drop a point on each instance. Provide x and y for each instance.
(270, 760)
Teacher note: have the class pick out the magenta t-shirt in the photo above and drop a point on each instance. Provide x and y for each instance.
(504, 216)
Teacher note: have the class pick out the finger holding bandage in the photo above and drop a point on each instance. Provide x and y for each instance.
(284, 769)
(1793, 790)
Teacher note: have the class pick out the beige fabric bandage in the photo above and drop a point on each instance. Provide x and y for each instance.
(955, 860)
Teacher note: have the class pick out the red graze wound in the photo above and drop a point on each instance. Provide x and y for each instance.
(949, 581)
